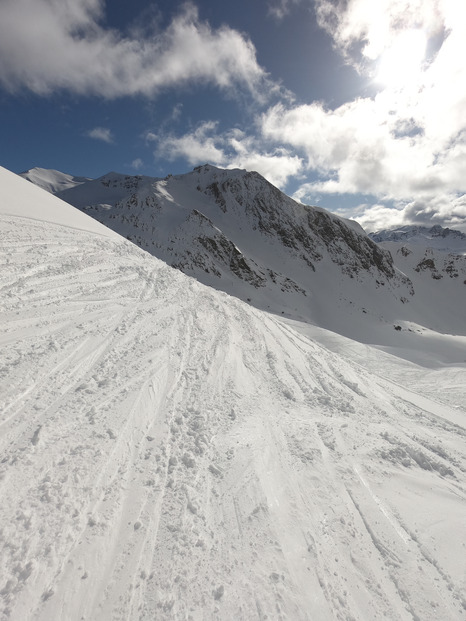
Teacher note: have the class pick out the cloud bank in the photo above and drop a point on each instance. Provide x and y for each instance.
(406, 144)
(48, 45)
(230, 149)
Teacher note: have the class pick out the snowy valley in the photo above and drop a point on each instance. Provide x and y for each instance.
(287, 443)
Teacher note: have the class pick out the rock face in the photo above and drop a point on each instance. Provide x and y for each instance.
(428, 262)
(435, 252)
(436, 275)
(233, 230)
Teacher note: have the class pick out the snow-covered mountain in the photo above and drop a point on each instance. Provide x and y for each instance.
(52, 180)
(234, 231)
(229, 228)
(169, 452)
(435, 261)
(436, 237)
(427, 262)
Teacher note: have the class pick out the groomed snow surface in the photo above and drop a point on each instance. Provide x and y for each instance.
(168, 452)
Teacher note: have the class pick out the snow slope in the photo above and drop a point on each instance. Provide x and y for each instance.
(26, 200)
(439, 279)
(234, 231)
(169, 452)
(52, 181)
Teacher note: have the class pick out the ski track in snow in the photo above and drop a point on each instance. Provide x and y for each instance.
(169, 453)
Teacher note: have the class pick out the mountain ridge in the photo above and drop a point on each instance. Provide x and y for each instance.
(236, 232)
(442, 239)
(233, 230)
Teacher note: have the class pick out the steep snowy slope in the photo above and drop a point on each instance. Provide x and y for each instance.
(233, 230)
(435, 261)
(169, 452)
(439, 281)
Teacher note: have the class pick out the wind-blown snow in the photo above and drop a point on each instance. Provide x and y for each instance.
(168, 452)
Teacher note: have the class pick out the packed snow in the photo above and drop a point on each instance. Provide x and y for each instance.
(169, 452)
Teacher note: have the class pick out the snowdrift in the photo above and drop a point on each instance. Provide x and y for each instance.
(168, 452)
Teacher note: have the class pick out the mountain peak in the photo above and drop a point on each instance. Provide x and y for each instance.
(233, 230)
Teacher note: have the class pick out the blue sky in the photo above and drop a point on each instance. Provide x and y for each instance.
(358, 106)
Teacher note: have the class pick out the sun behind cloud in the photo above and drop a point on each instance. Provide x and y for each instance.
(401, 63)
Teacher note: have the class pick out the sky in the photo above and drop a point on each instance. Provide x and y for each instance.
(354, 105)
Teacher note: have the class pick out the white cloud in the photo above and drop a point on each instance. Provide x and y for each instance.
(378, 217)
(280, 8)
(408, 142)
(200, 146)
(176, 112)
(277, 165)
(446, 210)
(231, 149)
(352, 147)
(101, 133)
(360, 148)
(137, 164)
(366, 28)
(47, 45)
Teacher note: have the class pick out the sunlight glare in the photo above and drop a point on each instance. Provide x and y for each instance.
(401, 63)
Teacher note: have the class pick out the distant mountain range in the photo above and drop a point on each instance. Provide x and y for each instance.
(234, 231)
(443, 239)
